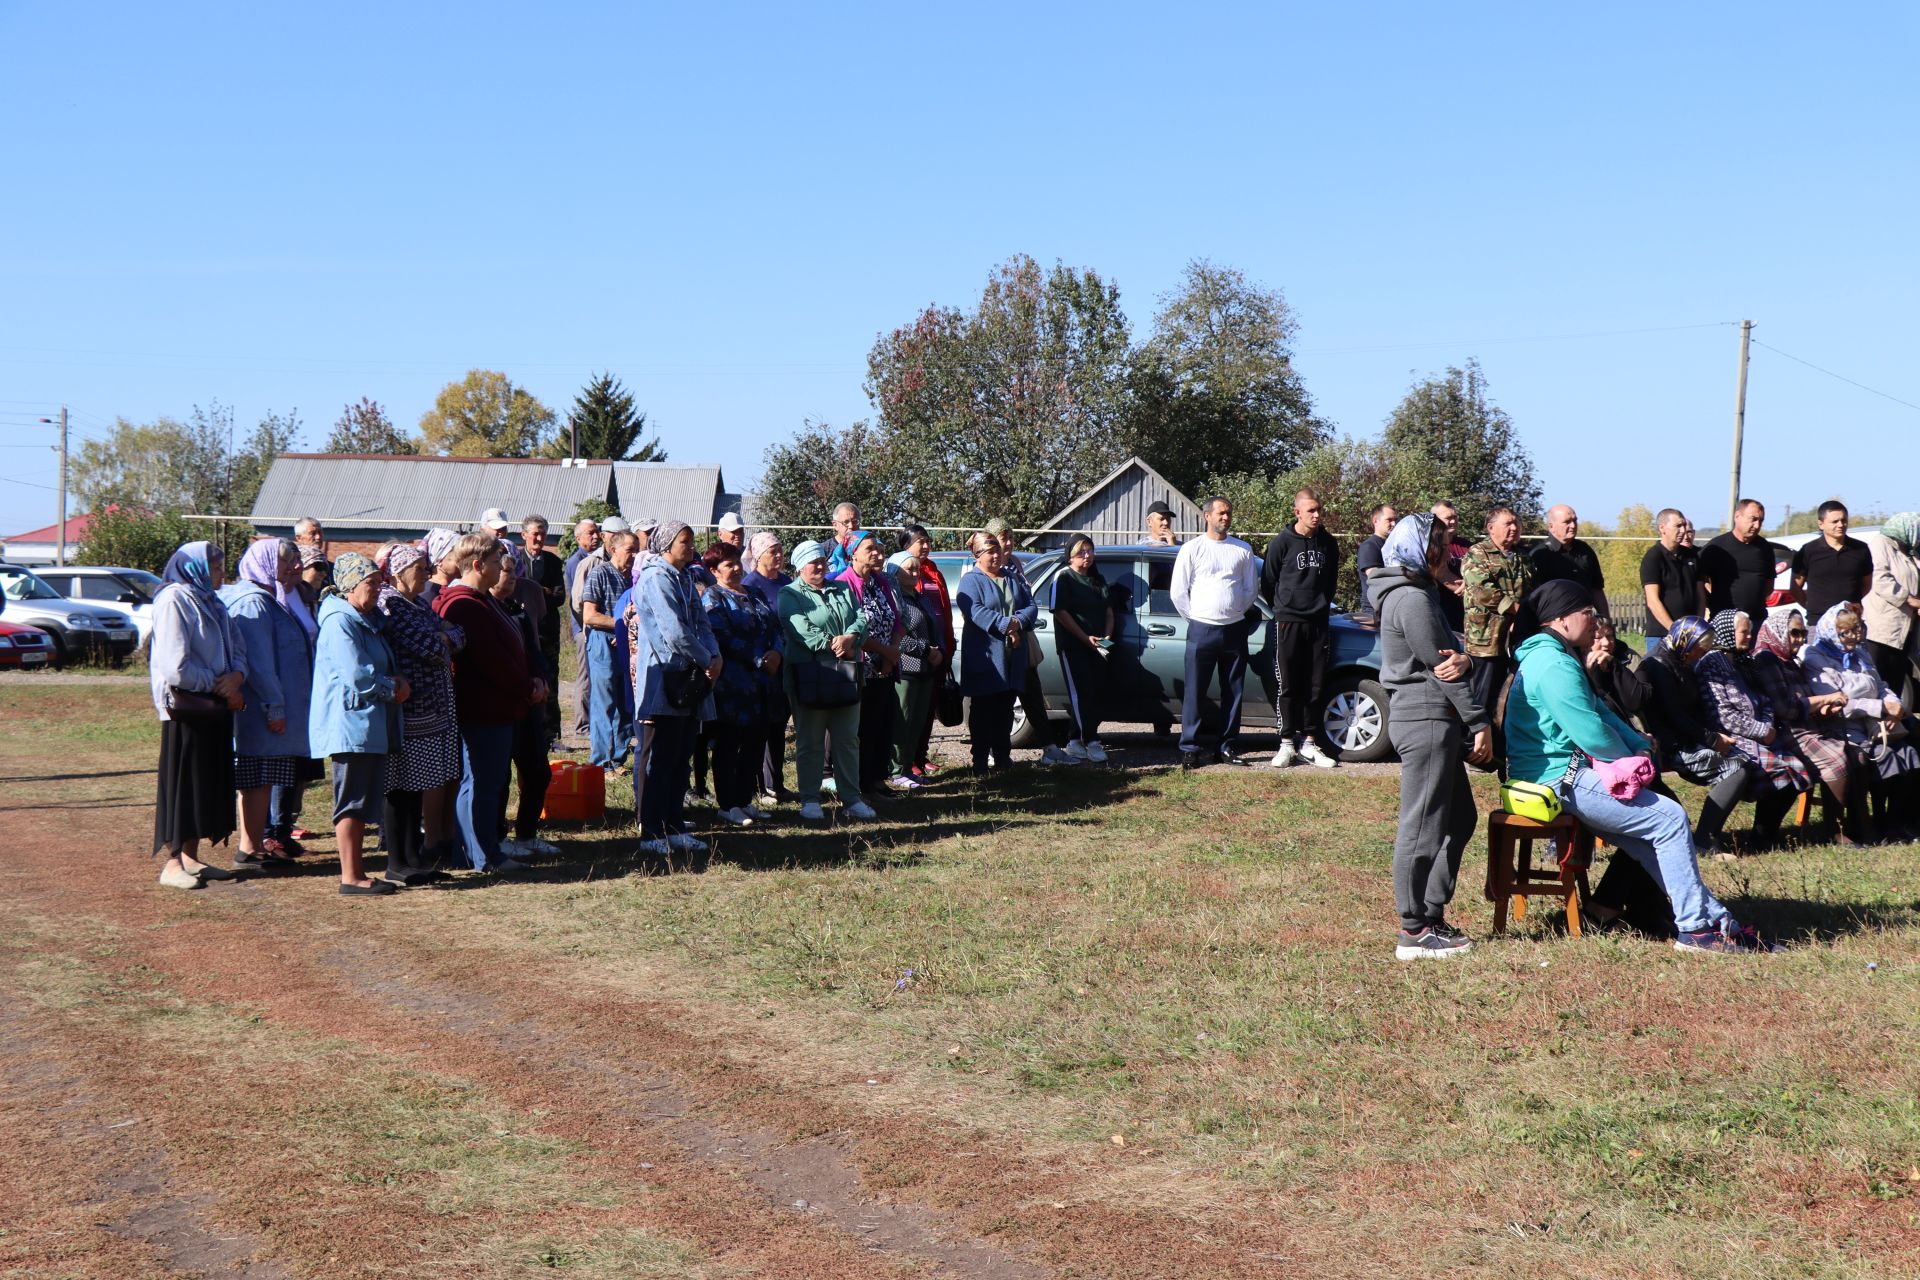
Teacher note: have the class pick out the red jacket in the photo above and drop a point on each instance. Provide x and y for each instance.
(492, 682)
(930, 573)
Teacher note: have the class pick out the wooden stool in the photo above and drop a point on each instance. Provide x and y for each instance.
(1512, 877)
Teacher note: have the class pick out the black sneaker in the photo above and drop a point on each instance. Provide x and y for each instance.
(1435, 942)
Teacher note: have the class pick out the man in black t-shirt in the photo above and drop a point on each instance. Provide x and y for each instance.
(1740, 565)
(1833, 567)
(1299, 576)
(1382, 518)
(1563, 555)
(1670, 577)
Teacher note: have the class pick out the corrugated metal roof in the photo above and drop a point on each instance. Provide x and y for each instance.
(370, 491)
(664, 491)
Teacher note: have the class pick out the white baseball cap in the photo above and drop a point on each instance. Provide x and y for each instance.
(614, 524)
(493, 518)
(732, 520)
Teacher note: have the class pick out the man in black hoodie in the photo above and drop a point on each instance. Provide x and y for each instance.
(1301, 570)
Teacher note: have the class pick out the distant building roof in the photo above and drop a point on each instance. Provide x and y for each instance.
(1115, 509)
(378, 490)
(77, 527)
(665, 491)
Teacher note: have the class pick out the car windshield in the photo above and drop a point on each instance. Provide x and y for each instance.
(21, 585)
(142, 583)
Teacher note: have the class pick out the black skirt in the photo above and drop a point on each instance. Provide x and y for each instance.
(195, 800)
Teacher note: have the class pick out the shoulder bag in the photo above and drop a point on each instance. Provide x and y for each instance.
(827, 683)
(185, 704)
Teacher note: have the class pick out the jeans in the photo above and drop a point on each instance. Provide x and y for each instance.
(1653, 831)
(486, 754)
(283, 811)
(611, 728)
(1209, 649)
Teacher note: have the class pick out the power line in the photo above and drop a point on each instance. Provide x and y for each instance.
(29, 484)
(1494, 342)
(1841, 376)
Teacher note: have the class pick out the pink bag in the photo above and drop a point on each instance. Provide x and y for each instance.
(1625, 777)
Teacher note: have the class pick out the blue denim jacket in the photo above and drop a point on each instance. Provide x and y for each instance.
(353, 685)
(279, 672)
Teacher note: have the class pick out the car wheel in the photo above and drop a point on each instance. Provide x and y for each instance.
(1353, 720)
(1025, 733)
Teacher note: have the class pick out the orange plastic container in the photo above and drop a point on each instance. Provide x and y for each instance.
(576, 792)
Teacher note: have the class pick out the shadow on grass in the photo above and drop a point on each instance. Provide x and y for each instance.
(1798, 921)
(958, 806)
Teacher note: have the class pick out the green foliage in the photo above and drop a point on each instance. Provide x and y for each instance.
(1465, 445)
(1011, 410)
(136, 537)
(484, 415)
(1214, 391)
(193, 467)
(595, 509)
(365, 428)
(606, 425)
(824, 466)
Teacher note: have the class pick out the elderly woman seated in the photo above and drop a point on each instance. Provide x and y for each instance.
(1738, 710)
(1811, 720)
(1874, 722)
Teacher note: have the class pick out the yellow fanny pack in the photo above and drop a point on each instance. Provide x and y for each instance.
(1530, 800)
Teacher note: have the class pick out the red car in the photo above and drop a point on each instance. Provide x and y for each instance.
(24, 646)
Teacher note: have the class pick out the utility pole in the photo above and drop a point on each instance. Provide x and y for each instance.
(61, 534)
(1739, 418)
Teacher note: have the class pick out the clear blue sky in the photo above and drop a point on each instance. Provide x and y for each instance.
(725, 204)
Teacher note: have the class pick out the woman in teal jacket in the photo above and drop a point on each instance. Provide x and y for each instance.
(357, 692)
(1557, 728)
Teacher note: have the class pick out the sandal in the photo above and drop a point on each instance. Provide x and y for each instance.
(264, 860)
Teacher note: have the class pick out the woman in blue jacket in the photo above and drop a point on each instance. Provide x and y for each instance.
(270, 731)
(996, 640)
(357, 692)
(671, 638)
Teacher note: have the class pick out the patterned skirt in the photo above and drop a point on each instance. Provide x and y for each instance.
(1828, 756)
(425, 762)
(265, 771)
(1779, 770)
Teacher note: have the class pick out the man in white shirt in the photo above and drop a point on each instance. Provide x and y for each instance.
(1216, 580)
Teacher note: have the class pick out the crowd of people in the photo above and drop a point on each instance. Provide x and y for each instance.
(428, 673)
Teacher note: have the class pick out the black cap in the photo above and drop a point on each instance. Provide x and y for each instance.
(1160, 509)
(1556, 598)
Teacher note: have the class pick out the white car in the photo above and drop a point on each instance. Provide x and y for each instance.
(128, 592)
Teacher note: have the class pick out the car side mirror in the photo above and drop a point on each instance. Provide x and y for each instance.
(127, 597)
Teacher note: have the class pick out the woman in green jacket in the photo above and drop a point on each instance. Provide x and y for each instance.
(824, 629)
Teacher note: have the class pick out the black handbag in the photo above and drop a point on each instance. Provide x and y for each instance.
(952, 708)
(185, 704)
(686, 687)
(824, 685)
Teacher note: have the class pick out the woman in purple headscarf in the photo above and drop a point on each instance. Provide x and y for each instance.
(196, 669)
(270, 731)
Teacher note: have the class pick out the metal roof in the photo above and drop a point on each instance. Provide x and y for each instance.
(353, 491)
(665, 491)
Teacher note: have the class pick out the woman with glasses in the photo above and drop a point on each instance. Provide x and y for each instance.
(1873, 718)
(996, 640)
(1083, 622)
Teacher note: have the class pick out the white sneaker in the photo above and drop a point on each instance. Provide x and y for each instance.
(681, 842)
(545, 848)
(901, 782)
(1053, 756)
(1096, 752)
(1286, 757)
(1075, 752)
(812, 812)
(735, 818)
(861, 810)
(655, 848)
(179, 878)
(1310, 752)
(755, 812)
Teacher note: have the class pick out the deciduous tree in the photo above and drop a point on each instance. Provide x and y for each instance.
(484, 415)
(365, 428)
(1466, 446)
(822, 466)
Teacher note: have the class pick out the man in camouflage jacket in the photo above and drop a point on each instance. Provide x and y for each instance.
(1495, 578)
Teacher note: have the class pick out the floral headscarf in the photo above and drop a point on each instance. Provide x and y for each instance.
(1903, 528)
(191, 567)
(352, 569)
(1686, 634)
(1407, 545)
(1773, 636)
(759, 544)
(1826, 638)
(403, 558)
(664, 534)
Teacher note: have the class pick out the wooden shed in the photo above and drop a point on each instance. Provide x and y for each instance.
(1114, 511)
